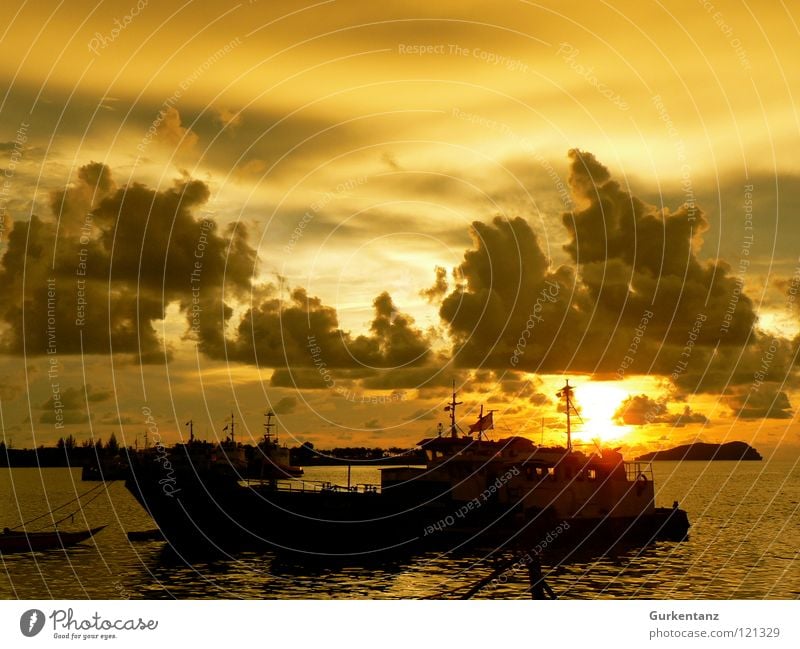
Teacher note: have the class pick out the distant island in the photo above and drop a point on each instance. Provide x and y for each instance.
(703, 452)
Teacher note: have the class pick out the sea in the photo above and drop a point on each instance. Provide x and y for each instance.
(744, 543)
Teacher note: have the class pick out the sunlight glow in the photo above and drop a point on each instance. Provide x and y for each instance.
(597, 402)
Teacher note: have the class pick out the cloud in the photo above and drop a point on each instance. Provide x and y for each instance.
(639, 410)
(766, 402)
(173, 134)
(229, 119)
(103, 271)
(285, 406)
(436, 292)
(302, 332)
(636, 298)
(71, 405)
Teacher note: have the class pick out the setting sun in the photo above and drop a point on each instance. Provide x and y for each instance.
(597, 403)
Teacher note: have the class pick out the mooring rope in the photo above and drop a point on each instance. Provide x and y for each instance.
(55, 509)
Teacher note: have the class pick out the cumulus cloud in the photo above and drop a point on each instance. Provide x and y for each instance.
(767, 402)
(439, 288)
(640, 409)
(636, 298)
(302, 332)
(101, 272)
(173, 134)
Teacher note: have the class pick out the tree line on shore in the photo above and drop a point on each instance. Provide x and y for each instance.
(69, 452)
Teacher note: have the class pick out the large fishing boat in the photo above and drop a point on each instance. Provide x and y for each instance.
(506, 492)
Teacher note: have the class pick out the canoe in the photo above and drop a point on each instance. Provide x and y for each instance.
(13, 542)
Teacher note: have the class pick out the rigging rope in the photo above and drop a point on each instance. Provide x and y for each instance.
(55, 509)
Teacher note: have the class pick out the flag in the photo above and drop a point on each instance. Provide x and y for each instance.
(226, 428)
(484, 423)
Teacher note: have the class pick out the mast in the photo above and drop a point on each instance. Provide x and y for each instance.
(233, 423)
(268, 426)
(451, 407)
(566, 392)
(190, 424)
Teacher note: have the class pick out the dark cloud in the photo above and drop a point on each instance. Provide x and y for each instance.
(100, 274)
(768, 401)
(285, 406)
(71, 405)
(439, 288)
(639, 410)
(636, 299)
(76, 398)
(303, 332)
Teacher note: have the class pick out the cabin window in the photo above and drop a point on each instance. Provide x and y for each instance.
(539, 472)
(551, 471)
(591, 474)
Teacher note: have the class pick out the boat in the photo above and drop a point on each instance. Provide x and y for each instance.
(472, 490)
(12, 542)
(272, 460)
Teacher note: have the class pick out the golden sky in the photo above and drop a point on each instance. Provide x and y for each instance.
(321, 160)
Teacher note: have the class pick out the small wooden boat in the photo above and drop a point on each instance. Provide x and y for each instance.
(146, 535)
(14, 542)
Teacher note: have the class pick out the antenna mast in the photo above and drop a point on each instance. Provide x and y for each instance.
(452, 408)
(566, 392)
(268, 426)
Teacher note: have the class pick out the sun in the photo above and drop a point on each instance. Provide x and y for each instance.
(597, 402)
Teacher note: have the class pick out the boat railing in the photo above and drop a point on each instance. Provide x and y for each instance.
(312, 486)
(633, 471)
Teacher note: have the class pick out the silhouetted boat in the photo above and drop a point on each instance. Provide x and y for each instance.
(272, 460)
(472, 490)
(145, 535)
(15, 542)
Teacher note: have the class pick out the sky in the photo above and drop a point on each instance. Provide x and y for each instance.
(336, 211)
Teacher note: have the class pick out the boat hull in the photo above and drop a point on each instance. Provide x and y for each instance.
(17, 542)
(206, 513)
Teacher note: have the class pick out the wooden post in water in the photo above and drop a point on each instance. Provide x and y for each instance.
(539, 588)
